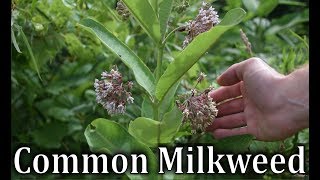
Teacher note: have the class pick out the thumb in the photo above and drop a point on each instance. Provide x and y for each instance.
(235, 73)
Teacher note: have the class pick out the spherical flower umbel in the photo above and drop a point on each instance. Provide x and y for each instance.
(199, 109)
(205, 20)
(111, 93)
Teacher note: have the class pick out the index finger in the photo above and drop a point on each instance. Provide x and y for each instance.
(226, 92)
(235, 73)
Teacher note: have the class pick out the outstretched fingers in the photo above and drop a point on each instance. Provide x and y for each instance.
(228, 122)
(223, 133)
(235, 73)
(231, 107)
(226, 92)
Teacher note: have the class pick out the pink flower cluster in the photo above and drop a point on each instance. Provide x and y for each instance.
(111, 93)
(199, 109)
(205, 20)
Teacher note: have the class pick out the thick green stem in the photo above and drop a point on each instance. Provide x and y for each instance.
(155, 111)
(156, 102)
(156, 117)
(159, 62)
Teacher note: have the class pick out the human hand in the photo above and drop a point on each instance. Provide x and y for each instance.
(271, 106)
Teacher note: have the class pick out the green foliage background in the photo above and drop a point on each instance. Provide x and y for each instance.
(55, 61)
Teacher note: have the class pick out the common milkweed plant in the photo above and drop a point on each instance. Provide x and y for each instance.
(145, 133)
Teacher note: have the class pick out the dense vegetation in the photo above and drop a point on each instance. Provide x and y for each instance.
(55, 61)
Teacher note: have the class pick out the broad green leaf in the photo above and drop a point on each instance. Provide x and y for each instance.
(164, 13)
(232, 18)
(146, 108)
(147, 130)
(141, 72)
(266, 7)
(167, 102)
(146, 16)
(192, 53)
(33, 59)
(106, 136)
(171, 122)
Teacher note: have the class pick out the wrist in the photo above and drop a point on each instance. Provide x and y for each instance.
(294, 92)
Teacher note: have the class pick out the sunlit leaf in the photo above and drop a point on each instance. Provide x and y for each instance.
(146, 16)
(148, 130)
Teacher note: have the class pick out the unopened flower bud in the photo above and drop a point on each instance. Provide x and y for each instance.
(122, 10)
(201, 77)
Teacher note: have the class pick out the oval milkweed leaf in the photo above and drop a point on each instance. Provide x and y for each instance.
(147, 130)
(164, 13)
(141, 72)
(146, 16)
(107, 136)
